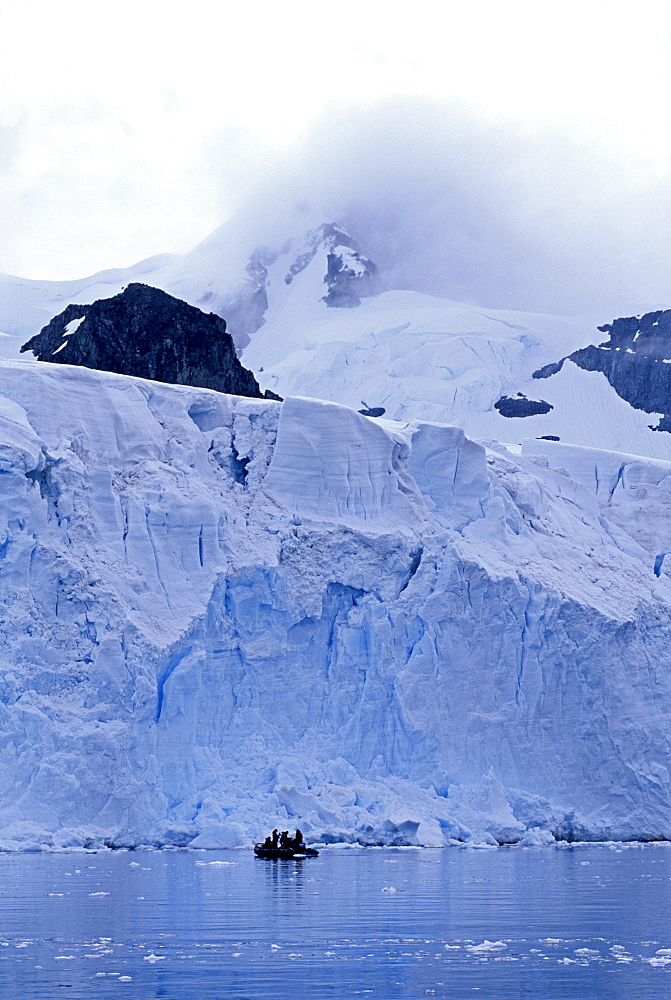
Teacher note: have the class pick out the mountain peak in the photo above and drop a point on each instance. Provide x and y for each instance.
(145, 332)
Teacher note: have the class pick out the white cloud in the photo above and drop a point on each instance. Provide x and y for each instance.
(135, 128)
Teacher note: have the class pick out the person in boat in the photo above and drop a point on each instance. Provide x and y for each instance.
(284, 836)
(299, 843)
(274, 840)
(267, 844)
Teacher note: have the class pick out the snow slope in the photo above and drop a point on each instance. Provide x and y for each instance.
(224, 614)
(416, 356)
(425, 358)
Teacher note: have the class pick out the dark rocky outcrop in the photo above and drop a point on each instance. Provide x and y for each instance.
(520, 406)
(372, 411)
(636, 360)
(143, 331)
(547, 370)
(349, 275)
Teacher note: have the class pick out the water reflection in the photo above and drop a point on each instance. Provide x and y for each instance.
(285, 877)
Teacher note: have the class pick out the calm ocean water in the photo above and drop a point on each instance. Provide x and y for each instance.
(588, 922)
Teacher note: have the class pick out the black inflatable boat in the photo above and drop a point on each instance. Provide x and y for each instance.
(284, 852)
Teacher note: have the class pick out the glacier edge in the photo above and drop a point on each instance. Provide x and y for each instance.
(223, 614)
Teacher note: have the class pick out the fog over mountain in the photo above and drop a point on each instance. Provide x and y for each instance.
(485, 211)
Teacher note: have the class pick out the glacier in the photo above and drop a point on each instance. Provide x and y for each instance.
(224, 614)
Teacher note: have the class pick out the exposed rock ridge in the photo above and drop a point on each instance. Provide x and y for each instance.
(520, 406)
(145, 332)
(636, 360)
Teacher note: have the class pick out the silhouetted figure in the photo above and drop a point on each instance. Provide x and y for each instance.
(275, 839)
(298, 840)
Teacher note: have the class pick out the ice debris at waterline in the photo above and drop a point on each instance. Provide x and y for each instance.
(221, 614)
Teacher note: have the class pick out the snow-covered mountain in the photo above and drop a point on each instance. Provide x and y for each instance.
(221, 614)
(310, 316)
(224, 275)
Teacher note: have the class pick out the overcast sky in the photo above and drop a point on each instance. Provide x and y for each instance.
(137, 127)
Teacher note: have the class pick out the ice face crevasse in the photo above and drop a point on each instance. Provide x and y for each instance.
(221, 613)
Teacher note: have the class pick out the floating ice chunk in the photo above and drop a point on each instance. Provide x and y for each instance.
(217, 864)
(486, 946)
(154, 958)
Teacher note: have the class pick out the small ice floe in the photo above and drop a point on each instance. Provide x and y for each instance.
(55, 894)
(238, 954)
(64, 958)
(276, 947)
(658, 961)
(99, 894)
(587, 952)
(452, 947)
(125, 979)
(295, 955)
(387, 888)
(584, 862)
(134, 864)
(151, 957)
(663, 951)
(479, 949)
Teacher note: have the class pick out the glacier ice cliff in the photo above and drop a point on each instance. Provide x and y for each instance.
(221, 614)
